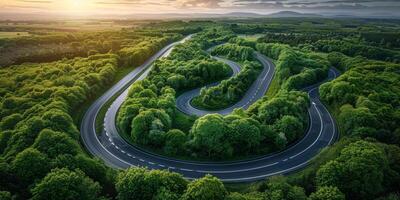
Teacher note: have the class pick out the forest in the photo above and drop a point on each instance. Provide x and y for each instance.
(42, 156)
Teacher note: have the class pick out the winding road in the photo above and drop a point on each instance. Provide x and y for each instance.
(116, 152)
(255, 92)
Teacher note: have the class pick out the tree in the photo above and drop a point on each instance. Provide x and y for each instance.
(30, 164)
(177, 81)
(251, 196)
(140, 183)
(174, 142)
(277, 188)
(55, 143)
(245, 135)
(327, 193)
(209, 134)
(149, 126)
(66, 184)
(353, 118)
(9, 122)
(205, 188)
(5, 195)
(358, 171)
(290, 126)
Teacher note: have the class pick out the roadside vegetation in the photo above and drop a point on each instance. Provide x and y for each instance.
(41, 156)
(38, 104)
(268, 126)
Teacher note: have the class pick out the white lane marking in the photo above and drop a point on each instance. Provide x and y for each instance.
(183, 169)
(265, 175)
(165, 49)
(235, 171)
(319, 135)
(221, 171)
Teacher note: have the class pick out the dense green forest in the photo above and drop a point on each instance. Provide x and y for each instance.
(46, 78)
(38, 101)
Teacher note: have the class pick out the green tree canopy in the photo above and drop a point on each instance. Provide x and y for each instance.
(66, 184)
(327, 193)
(205, 188)
(140, 183)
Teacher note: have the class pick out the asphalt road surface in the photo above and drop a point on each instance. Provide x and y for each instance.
(117, 153)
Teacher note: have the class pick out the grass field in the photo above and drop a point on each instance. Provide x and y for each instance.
(13, 34)
(251, 37)
(61, 26)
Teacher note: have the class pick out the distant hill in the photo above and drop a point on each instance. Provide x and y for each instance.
(292, 14)
(231, 15)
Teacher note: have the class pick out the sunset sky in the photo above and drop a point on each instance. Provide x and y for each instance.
(96, 7)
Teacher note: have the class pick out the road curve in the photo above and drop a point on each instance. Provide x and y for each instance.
(116, 152)
(255, 91)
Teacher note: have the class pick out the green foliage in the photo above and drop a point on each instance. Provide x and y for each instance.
(327, 193)
(37, 100)
(37, 132)
(238, 196)
(55, 143)
(149, 127)
(234, 51)
(205, 188)
(295, 39)
(56, 46)
(354, 49)
(361, 171)
(228, 91)
(277, 188)
(175, 141)
(243, 42)
(291, 126)
(295, 69)
(135, 55)
(208, 137)
(139, 183)
(4, 195)
(287, 112)
(213, 36)
(245, 134)
(66, 184)
(30, 164)
(367, 96)
(149, 112)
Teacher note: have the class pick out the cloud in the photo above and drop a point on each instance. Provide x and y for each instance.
(217, 6)
(37, 1)
(314, 4)
(201, 3)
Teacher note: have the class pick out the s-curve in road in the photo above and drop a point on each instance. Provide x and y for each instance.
(116, 152)
(88, 126)
(255, 92)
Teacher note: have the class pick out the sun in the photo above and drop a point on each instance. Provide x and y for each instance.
(76, 3)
